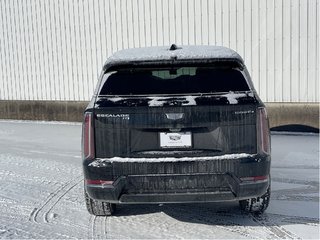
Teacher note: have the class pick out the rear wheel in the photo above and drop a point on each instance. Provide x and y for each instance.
(256, 205)
(99, 208)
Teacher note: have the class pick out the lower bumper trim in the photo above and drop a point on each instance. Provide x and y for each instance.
(176, 197)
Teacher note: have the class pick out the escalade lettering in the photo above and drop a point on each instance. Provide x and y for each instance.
(121, 116)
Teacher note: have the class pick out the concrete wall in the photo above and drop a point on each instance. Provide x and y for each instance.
(42, 110)
(279, 114)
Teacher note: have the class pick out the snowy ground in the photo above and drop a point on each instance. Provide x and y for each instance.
(41, 194)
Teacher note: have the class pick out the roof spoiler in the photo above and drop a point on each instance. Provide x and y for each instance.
(229, 63)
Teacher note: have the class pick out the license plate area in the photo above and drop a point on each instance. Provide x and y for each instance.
(175, 140)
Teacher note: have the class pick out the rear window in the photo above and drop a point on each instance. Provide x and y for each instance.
(181, 80)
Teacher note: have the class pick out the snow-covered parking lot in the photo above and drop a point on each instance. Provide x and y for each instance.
(41, 194)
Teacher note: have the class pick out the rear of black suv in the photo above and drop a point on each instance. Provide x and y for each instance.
(173, 125)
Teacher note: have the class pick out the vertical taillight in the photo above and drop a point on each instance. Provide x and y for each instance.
(88, 136)
(263, 131)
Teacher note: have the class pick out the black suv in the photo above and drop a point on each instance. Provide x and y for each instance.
(175, 124)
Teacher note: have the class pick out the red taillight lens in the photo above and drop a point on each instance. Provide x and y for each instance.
(98, 182)
(263, 131)
(254, 179)
(88, 137)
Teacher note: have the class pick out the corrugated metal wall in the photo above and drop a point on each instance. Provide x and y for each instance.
(54, 49)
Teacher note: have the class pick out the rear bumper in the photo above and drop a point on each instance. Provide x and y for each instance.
(236, 191)
(172, 182)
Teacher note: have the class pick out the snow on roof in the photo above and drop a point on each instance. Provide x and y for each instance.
(178, 53)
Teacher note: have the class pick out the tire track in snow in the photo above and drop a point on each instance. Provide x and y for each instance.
(269, 226)
(222, 220)
(241, 223)
(105, 227)
(238, 223)
(90, 227)
(52, 200)
(276, 231)
(98, 227)
(228, 221)
(12, 231)
(12, 228)
(274, 228)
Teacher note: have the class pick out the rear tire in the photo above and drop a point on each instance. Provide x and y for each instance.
(99, 208)
(256, 205)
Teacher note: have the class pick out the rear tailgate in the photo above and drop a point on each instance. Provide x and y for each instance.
(208, 125)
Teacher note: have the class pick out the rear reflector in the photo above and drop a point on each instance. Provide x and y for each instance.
(254, 179)
(263, 131)
(99, 182)
(88, 137)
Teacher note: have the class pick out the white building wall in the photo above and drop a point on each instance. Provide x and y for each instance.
(55, 49)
